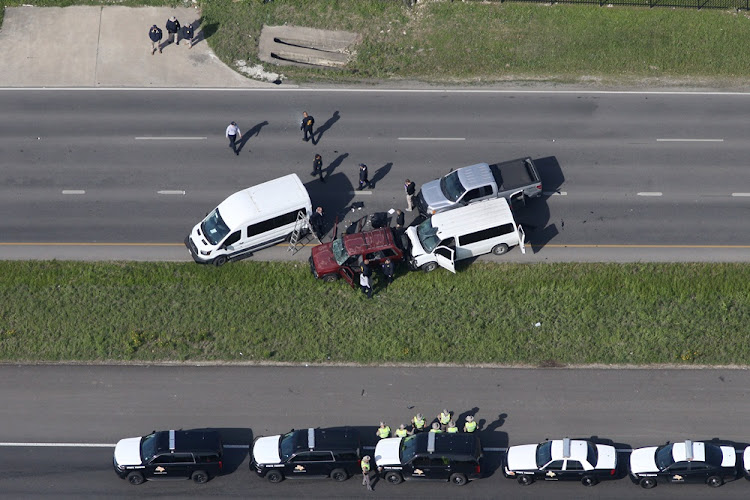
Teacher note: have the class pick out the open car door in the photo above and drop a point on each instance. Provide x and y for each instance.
(521, 238)
(517, 200)
(445, 258)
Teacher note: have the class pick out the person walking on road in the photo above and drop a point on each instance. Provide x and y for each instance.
(411, 190)
(155, 35)
(173, 27)
(186, 33)
(318, 167)
(366, 472)
(307, 127)
(233, 133)
(363, 180)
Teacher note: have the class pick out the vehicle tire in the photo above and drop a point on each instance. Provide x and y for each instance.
(429, 267)
(714, 481)
(275, 476)
(500, 249)
(648, 482)
(330, 278)
(200, 477)
(220, 260)
(394, 477)
(339, 475)
(458, 479)
(525, 480)
(136, 478)
(589, 481)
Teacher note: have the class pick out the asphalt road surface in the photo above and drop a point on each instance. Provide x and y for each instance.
(79, 412)
(125, 174)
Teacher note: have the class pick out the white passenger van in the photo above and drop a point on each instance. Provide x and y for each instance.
(249, 220)
(465, 232)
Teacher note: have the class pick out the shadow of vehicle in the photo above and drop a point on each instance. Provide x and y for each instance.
(337, 195)
(535, 215)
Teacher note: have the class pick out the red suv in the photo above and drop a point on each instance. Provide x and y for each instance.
(343, 256)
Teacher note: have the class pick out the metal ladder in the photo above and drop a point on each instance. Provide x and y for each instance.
(299, 225)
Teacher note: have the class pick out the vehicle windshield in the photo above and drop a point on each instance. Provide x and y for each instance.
(544, 454)
(451, 186)
(339, 251)
(408, 448)
(148, 447)
(427, 235)
(214, 228)
(286, 446)
(593, 454)
(664, 457)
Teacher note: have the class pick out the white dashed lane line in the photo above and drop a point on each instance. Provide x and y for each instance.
(740, 194)
(432, 138)
(151, 138)
(167, 191)
(689, 140)
(73, 191)
(555, 193)
(649, 193)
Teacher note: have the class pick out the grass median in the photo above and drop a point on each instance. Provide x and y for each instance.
(544, 314)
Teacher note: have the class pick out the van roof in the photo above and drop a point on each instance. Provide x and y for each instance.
(277, 195)
(473, 217)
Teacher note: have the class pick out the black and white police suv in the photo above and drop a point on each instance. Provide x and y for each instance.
(560, 460)
(333, 452)
(192, 454)
(687, 462)
(428, 455)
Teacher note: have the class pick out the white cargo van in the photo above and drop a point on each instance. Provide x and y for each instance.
(249, 220)
(465, 232)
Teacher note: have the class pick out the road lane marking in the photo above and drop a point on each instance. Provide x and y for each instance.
(555, 193)
(237, 446)
(59, 445)
(649, 193)
(151, 138)
(73, 191)
(167, 191)
(361, 192)
(689, 140)
(740, 194)
(432, 138)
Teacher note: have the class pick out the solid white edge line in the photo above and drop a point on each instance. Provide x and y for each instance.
(167, 191)
(59, 445)
(740, 194)
(555, 193)
(432, 138)
(650, 193)
(689, 140)
(73, 191)
(170, 138)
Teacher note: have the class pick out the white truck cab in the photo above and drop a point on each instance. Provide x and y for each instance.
(462, 233)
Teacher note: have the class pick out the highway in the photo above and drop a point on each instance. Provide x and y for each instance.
(124, 174)
(81, 411)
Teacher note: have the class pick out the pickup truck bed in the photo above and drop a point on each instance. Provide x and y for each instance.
(514, 174)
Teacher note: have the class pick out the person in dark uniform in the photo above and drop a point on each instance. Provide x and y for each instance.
(316, 222)
(173, 27)
(388, 270)
(318, 167)
(399, 220)
(411, 190)
(307, 126)
(155, 35)
(186, 33)
(365, 279)
(363, 180)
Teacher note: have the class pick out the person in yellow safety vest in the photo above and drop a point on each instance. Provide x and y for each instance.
(401, 431)
(444, 417)
(452, 428)
(470, 425)
(435, 428)
(418, 423)
(366, 472)
(383, 431)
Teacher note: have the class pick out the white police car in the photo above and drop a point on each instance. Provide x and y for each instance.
(686, 462)
(561, 460)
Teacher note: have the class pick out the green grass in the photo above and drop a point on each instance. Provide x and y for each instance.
(251, 311)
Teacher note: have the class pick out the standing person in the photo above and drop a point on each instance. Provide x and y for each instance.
(173, 27)
(470, 425)
(366, 472)
(233, 133)
(451, 428)
(435, 428)
(401, 432)
(399, 219)
(410, 189)
(418, 423)
(365, 279)
(186, 33)
(444, 417)
(388, 270)
(363, 180)
(318, 167)
(307, 126)
(316, 222)
(155, 35)
(383, 431)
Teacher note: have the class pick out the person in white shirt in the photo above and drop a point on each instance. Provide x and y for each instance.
(233, 133)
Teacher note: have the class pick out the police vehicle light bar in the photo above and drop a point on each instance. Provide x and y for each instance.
(688, 449)
(171, 441)
(566, 448)
(431, 442)
(311, 438)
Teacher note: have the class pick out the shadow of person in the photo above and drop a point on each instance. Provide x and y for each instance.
(247, 135)
(334, 165)
(380, 173)
(493, 426)
(323, 128)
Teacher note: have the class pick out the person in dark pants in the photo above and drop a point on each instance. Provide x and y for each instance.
(318, 167)
(410, 189)
(233, 133)
(155, 35)
(307, 126)
(399, 220)
(316, 222)
(173, 27)
(186, 33)
(363, 180)
(365, 279)
(388, 271)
